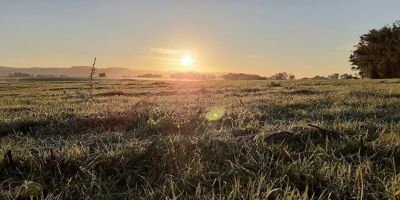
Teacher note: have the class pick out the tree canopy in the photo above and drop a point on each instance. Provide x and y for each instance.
(283, 76)
(377, 55)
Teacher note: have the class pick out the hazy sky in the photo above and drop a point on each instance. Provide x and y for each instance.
(305, 37)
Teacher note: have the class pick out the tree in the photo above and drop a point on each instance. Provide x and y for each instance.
(334, 76)
(283, 76)
(102, 75)
(348, 76)
(377, 55)
(280, 76)
(318, 77)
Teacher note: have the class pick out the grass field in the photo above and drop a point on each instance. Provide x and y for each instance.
(142, 139)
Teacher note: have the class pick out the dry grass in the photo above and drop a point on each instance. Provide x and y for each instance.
(277, 140)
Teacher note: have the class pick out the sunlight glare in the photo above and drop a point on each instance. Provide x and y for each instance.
(186, 60)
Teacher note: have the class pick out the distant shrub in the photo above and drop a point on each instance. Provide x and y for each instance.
(46, 76)
(317, 77)
(283, 76)
(19, 74)
(102, 75)
(334, 76)
(348, 76)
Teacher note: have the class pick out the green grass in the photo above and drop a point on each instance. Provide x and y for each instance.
(151, 139)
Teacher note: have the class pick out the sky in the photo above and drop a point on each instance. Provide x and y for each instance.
(303, 37)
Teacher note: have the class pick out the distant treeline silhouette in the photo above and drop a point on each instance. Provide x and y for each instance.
(377, 55)
(242, 76)
(26, 75)
(149, 76)
(283, 76)
(203, 76)
(19, 74)
(335, 76)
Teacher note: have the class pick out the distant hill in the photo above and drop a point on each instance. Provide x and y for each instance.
(112, 72)
(78, 71)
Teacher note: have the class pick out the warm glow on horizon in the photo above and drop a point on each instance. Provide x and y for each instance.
(186, 60)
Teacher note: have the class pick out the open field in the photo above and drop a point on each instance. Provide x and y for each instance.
(152, 140)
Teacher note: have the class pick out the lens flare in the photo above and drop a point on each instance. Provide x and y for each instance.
(215, 114)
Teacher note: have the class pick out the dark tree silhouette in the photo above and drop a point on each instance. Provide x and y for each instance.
(150, 76)
(334, 76)
(283, 76)
(103, 74)
(19, 74)
(377, 55)
(280, 76)
(348, 76)
(318, 77)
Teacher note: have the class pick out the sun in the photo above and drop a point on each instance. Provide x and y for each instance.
(187, 60)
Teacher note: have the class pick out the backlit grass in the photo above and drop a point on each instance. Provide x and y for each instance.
(155, 140)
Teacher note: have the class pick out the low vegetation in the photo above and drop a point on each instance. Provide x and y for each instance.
(136, 139)
(150, 76)
(19, 74)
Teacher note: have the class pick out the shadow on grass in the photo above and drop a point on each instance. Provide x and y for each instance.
(304, 92)
(70, 124)
(148, 120)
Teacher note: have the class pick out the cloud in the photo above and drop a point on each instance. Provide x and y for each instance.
(164, 55)
(164, 59)
(167, 51)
